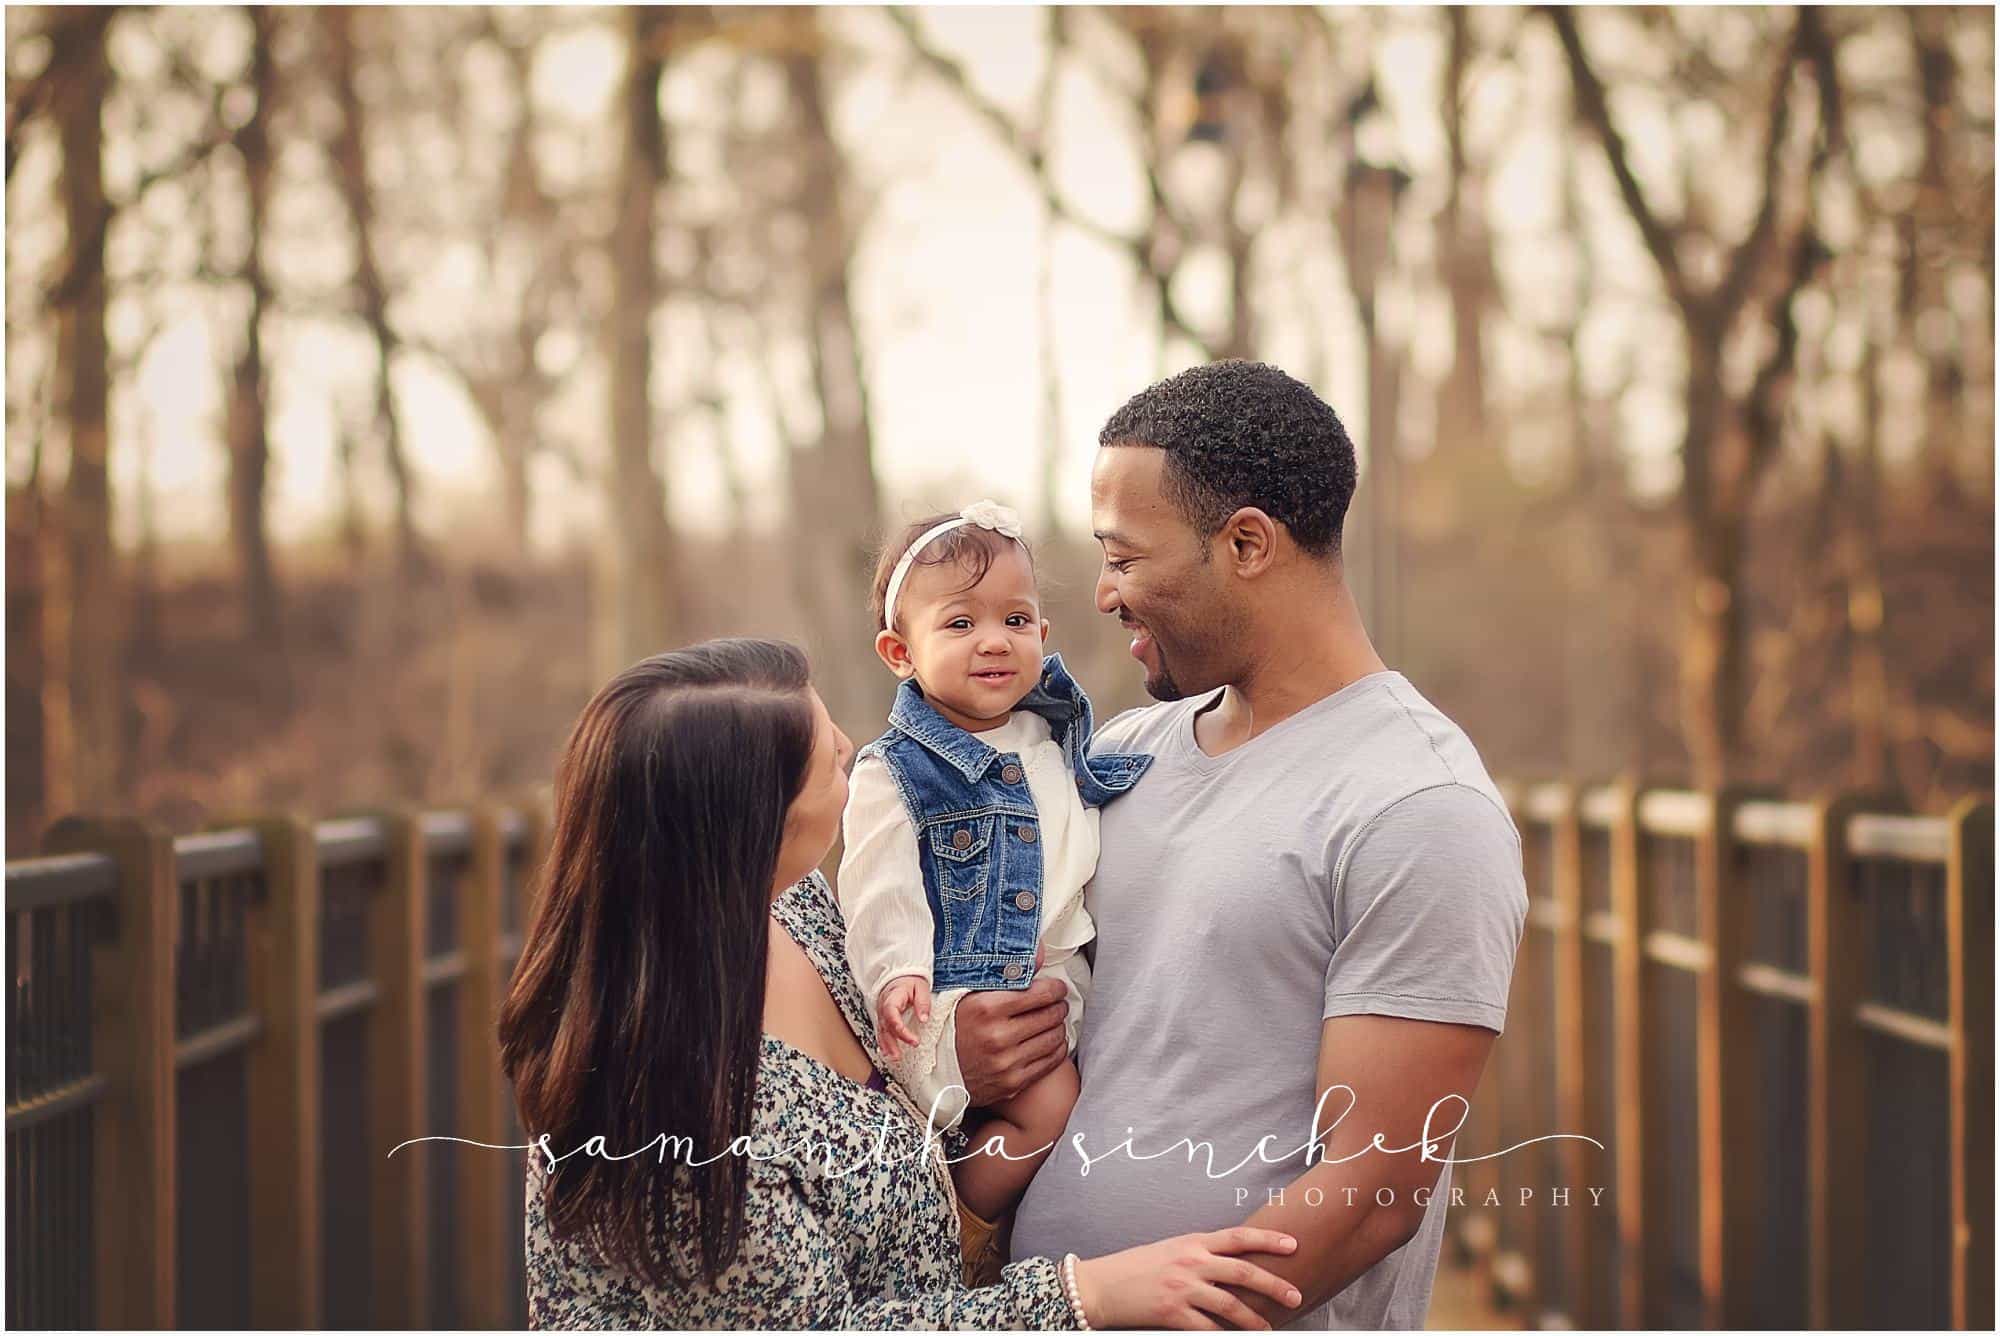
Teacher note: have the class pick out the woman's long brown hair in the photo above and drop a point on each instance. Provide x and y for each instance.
(638, 1005)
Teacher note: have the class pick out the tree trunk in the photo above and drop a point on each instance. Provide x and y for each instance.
(353, 526)
(86, 733)
(1937, 76)
(351, 165)
(249, 444)
(1868, 665)
(145, 581)
(835, 500)
(1714, 653)
(1365, 220)
(1049, 467)
(1467, 265)
(515, 495)
(529, 220)
(27, 669)
(1241, 339)
(1712, 647)
(1049, 361)
(637, 611)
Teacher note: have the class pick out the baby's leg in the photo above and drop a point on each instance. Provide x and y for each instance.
(1027, 1127)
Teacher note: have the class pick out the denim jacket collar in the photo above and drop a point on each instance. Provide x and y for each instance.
(1056, 697)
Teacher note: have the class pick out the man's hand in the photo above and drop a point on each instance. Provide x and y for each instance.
(1007, 1041)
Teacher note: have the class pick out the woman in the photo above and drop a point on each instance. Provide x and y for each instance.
(772, 1177)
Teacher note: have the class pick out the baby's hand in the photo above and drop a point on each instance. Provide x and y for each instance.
(905, 992)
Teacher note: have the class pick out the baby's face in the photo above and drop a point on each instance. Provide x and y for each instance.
(974, 651)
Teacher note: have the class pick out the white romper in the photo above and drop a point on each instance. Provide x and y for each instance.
(881, 893)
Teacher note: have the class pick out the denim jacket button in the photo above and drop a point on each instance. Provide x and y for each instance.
(1027, 834)
(1012, 971)
(962, 840)
(1010, 774)
(1079, 781)
(1026, 900)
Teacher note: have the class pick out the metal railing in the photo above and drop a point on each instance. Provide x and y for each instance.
(1776, 1016)
(1778, 1019)
(213, 1043)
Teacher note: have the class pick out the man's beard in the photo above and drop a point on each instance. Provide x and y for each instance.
(1162, 686)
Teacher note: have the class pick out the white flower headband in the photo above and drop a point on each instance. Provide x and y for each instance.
(986, 514)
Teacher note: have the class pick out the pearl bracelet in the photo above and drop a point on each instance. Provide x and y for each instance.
(1071, 1292)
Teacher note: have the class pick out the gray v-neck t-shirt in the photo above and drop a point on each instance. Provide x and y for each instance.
(1352, 859)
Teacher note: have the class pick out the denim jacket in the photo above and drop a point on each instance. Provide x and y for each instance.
(978, 833)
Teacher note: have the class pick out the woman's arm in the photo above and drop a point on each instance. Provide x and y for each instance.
(881, 884)
(788, 1274)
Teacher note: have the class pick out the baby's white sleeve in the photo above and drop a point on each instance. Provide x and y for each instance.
(1074, 971)
(881, 883)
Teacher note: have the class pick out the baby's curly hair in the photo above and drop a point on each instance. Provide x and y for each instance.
(1245, 434)
(968, 546)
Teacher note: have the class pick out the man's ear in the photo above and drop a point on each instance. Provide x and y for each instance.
(1251, 537)
(894, 651)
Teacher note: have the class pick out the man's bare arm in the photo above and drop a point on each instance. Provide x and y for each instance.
(1397, 1070)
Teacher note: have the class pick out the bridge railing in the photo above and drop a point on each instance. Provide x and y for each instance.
(213, 1042)
(1778, 1018)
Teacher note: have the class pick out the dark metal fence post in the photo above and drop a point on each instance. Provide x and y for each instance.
(132, 1035)
(1969, 911)
(482, 1233)
(399, 1202)
(284, 1077)
(1837, 1071)
(1726, 1064)
(1576, 1111)
(1645, 1251)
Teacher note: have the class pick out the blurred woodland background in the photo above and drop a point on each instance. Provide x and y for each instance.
(378, 381)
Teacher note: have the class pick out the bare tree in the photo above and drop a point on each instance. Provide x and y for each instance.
(248, 413)
(86, 736)
(529, 252)
(350, 154)
(1466, 257)
(835, 502)
(1730, 438)
(637, 602)
(1156, 249)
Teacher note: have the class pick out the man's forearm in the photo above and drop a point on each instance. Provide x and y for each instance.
(1341, 1236)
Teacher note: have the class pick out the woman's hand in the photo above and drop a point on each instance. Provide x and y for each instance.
(1178, 1282)
(905, 992)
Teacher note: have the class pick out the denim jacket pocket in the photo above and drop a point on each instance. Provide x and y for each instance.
(959, 850)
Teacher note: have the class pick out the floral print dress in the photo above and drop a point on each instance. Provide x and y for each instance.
(859, 1231)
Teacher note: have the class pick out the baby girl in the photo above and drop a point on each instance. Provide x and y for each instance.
(971, 828)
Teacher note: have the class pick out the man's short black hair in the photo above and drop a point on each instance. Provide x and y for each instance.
(1245, 434)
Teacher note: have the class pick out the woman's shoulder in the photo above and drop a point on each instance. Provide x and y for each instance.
(810, 911)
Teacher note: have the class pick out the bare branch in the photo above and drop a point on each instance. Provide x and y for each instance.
(1735, 286)
(73, 32)
(71, 283)
(1028, 150)
(1596, 112)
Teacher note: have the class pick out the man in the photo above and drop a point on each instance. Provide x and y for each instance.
(1312, 900)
